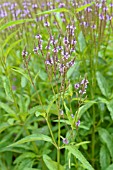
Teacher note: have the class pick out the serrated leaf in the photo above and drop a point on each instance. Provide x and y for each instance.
(23, 81)
(31, 169)
(11, 47)
(24, 156)
(104, 157)
(30, 138)
(3, 126)
(109, 105)
(68, 114)
(21, 71)
(81, 41)
(11, 121)
(6, 108)
(7, 88)
(71, 70)
(85, 107)
(8, 38)
(74, 151)
(106, 138)
(103, 85)
(110, 167)
(52, 165)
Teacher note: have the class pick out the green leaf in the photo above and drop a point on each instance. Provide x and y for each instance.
(6, 108)
(8, 38)
(30, 138)
(103, 84)
(85, 107)
(12, 46)
(21, 71)
(74, 151)
(31, 169)
(6, 84)
(110, 167)
(23, 81)
(109, 105)
(3, 126)
(84, 7)
(107, 139)
(52, 165)
(52, 11)
(68, 114)
(104, 157)
(72, 70)
(24, 156)
(17, 22)
(82, 42)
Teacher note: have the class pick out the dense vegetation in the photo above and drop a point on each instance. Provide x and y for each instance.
(56, 90)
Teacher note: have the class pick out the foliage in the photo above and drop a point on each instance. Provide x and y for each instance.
(56, 97)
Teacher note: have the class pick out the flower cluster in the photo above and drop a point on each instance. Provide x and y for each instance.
(82, 86)
(60, 55)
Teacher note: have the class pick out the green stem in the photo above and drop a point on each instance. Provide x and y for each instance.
(51, 133)
(58, 149)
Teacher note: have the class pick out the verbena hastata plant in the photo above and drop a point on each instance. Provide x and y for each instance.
(46, 63)
(59, 56)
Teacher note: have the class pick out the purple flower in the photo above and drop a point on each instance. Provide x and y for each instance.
(46, 24)
(61, 112)
(83, 91)
(13, 87)
(38, 36)
(61, 5)
(35, 49)
(72, 115)
(65, 40)
(65, 141)
(93, 26)
(76, 86)
(24, 53)
(105, 9)
(49, 61)
(78, 123)
(101, 17)
(34, 6)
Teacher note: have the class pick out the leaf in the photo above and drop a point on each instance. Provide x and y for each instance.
(110, 167)
(72, 70)
(6, 84)
(17, 22)
(74, 151)
(12, 46)
(23, 81)
(31, 169)
(30, 138)
(81, 41)
(21, 71)
(6, 108)
(3, 126)
(52, 11)
(109, 105)
(68, 114)
(104, 157)
(8, 38)
(106, 138)
(52, 165)
(84, 7)
(24, 156)
(85, 107)
(103, 84)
